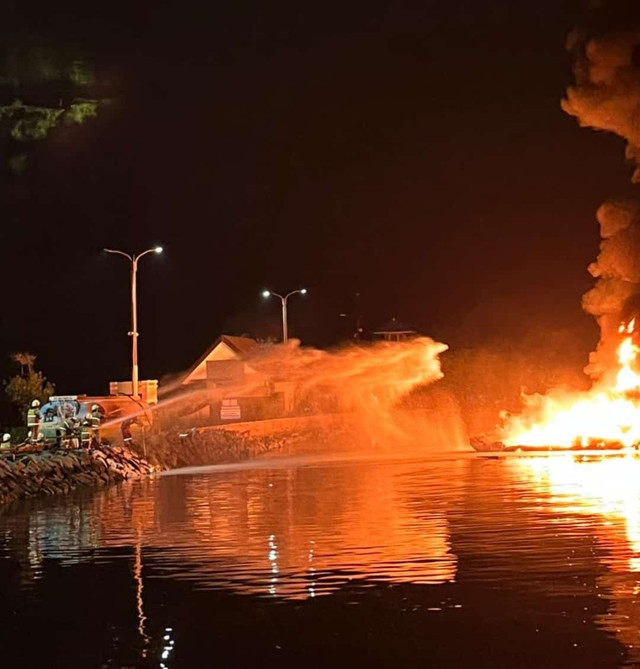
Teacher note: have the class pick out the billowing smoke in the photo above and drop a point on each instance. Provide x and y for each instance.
(615, 298)
(606, 92)
(606, 96)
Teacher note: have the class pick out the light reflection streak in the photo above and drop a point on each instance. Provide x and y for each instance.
(273, 556)
(312, 589)
(139, 601)
(167, 647)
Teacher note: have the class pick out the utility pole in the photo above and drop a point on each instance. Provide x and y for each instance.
(134, 312)
(284, 300)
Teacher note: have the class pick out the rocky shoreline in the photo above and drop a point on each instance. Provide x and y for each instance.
(192, 448)
(24, 474)
(27, 474)
(54, 472)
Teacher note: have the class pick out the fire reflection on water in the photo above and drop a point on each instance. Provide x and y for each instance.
(297, 533)
(608, 488)
(283, 532)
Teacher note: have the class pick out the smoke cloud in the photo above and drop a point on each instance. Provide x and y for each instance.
(606, 92)
(606, 96)
(615, 298)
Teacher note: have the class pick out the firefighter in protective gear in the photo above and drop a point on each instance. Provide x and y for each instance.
(96, 417)
(5, 444)
(86, 431)
(33, 421)
(125, 428)
(67, 432)
(75, 431)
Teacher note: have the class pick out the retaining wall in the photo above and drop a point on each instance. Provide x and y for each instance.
(261, 428)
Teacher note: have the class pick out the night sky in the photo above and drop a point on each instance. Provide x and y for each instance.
(414, 153)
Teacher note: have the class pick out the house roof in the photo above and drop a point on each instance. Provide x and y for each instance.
(240, 345)
(394, 327)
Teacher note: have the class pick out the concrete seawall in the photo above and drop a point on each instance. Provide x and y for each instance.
(285, 426)
(54, 472)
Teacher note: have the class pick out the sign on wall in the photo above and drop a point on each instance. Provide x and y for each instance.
(230, 410)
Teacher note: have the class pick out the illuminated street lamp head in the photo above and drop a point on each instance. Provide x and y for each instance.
(303, 291)
(158, 249)
(266, 293)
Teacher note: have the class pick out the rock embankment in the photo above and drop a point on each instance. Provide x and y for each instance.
(170, 449)
(53, 472)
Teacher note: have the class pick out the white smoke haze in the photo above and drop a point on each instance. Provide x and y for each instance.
(366, 383)
(371, 378)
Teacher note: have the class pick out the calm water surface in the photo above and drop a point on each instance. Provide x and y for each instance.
(449, 561)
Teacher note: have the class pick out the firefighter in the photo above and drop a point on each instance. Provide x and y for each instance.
(86, 431)
(74, 432)
(59, 436)
(67, 432)
(127, 437)
(5, 444)
(96, 417)
(33, 421)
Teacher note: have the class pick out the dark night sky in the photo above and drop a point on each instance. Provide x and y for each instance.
(414, 152)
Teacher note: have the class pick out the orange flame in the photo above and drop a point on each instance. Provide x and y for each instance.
(606, 415)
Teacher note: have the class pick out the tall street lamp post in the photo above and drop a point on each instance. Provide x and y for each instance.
(134, 311)
(284, 300)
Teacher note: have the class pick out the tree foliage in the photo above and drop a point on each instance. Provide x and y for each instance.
(28, 385)
(33, 122)
(51, 83)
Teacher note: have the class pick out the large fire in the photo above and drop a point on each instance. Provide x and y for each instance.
(607, 415)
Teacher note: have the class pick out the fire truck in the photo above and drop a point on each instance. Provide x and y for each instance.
(113, 410)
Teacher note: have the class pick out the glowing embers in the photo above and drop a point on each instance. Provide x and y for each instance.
(607, 416)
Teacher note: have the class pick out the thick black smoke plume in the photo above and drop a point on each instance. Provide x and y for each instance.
(606, 92)
(606, 96)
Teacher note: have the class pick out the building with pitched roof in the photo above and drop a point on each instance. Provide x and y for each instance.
(239, 392)
(224, 363)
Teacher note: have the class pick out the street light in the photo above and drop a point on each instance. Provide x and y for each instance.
(284, 300)
(134, 311)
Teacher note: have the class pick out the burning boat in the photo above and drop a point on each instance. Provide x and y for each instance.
(483, 445)
(605, 418)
